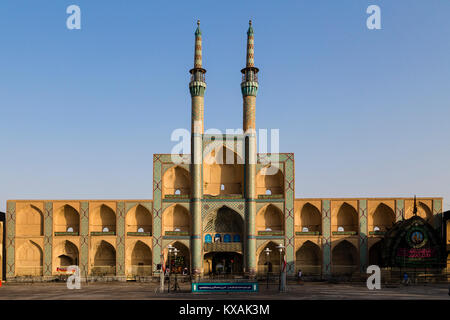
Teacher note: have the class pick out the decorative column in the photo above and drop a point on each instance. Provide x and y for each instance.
(399, 209)
(363, 245)
(10, 239)
(249, 88)
(197, 88)
(48, 237)
(84, 239)
(120, 241)
(326, 239)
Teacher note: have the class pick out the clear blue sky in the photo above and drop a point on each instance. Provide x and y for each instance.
(366, 112)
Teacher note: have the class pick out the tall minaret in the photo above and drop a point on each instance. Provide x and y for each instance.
(249, 88)
(197, 88)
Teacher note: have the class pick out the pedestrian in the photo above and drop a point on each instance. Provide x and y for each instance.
(405, 280)
(299, 275)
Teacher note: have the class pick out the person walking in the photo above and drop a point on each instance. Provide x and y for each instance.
(299, 275)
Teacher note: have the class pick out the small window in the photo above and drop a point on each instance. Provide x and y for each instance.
(177, 229)
(376, 229)
(105, 229)
(141, 230)
(268, 192)
(268, 229)
(69, 229)
(222, 187)
(177, 191)
(305, 229)
(341, 229)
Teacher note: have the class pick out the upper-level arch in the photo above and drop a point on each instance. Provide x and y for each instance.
(382, 218)
(103, 219)
(176, 218)
(138, 218)
(269, 218)
(308, 219)
(30, 222)
(67, 219)
(269, 180)
(346, 219)
(176, 180)
(223, 172)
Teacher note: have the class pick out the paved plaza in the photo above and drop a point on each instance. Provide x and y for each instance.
(140, 291)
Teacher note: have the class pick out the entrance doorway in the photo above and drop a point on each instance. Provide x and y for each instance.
(223, 263)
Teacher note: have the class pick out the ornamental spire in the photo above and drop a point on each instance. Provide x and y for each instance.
(250, 46)
(198, 47)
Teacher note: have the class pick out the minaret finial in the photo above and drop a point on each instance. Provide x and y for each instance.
(198, 47)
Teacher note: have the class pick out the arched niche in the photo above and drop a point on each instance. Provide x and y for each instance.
(223, 172)
(103, 217)
(269, 218)
(138, 217)
(176, 180)
(269, 262)
(424, 211)
(176, 218)
(308, 259)
(224, 221)
(67, 217)
(140, 260)
(375, 254)
(66, 254)
(104, 259)
(347, 218)
(30, 222)
(383, 217)
(181, 260)
(344, 258)
(269, 179)
(29, 259)
(309, 217)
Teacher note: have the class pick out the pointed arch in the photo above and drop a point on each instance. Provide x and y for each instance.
(176, 217)
(375, 254)
(424, 211)
(269, 217)
(224, 220)
(308, 259)
(269, 178)
(140, 260)
(383, 217)
(104, 259)
(223, 172)
(347, 217)
(29, 258)
(344, 258)
(138, 217)
(30, 222)
(309, 217)
(66, 254)
(268, 262)
(176, 179)
(103, 217)
(181, 261)
(67, 217)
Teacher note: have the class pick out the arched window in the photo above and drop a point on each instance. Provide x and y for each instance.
(268, 192)
(217, 238)
(305, 229)
(236, 238)
(208, 238)
(140, 230)
(69, 229)
(105, 229)
(227, 238)
(340, 229)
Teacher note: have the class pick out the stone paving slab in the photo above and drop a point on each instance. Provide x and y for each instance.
(144, 291)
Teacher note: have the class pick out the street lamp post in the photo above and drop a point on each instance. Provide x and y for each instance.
(161, 276)
(282, 286)
(170, 248)
(267, 251)
(175, 286)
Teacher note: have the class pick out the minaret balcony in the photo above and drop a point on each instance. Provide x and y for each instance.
(249, 88)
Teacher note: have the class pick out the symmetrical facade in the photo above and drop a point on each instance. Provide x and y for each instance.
(221, 208)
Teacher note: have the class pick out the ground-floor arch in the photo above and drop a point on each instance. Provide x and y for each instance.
(179, 263)
(104, 260)
(308, 259)
(139, 260)
(29, 259)
(66, 254)
(375, 254)
(271, 261)
(223, 263)
(344, 258)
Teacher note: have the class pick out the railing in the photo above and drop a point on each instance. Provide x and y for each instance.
(345, 233)
(28, 271)
(176, 233)
(270, 233)
(66, 234)
(176, 196)
(139, 234)
(307, 233)
(223, 246)
(100, 233)
(249, 76)
(140, 271)
(270, 196)
(103, 270)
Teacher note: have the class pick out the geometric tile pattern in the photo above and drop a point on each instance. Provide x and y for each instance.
(10, 238)
(437, 213)
(120, 239)
(289, 178)
(48, 230)
(399, 209)
(84, 238)
(363, 246)
(326, 238)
